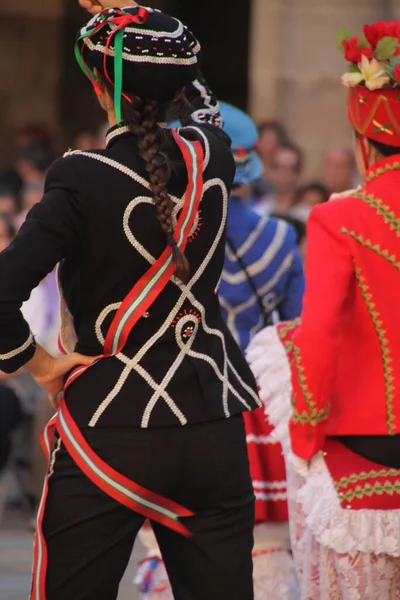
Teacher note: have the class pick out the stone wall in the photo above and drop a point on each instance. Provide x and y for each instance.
(29, 66)
(295, 67)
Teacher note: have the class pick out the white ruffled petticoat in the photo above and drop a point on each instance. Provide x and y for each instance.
(339, 554)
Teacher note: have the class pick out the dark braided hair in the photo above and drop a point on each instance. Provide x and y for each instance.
(142, 118)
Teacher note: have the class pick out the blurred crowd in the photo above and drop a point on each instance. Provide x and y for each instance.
(283, 191)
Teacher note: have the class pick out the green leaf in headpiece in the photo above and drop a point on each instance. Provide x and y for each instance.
(386, 48)
(353, 68)
(343, 35)
(363, 43)
(389, 69)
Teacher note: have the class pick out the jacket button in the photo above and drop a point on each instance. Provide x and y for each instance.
(146, 315)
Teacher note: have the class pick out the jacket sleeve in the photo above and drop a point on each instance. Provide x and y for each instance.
(329, 272)
(292, 303)
(51, 230)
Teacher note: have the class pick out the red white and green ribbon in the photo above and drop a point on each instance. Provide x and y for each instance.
(150, 286)
(118, 19)
(143, 294)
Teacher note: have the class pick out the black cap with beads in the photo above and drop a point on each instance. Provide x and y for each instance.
(154, 55)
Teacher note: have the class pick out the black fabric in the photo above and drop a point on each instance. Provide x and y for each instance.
(101, 224)
(10, 417)
(204, 467)
(160, 56)
(382, 449)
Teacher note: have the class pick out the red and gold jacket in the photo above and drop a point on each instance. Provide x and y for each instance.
(345, 355)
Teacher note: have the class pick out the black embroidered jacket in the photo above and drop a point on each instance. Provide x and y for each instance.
(97, 220)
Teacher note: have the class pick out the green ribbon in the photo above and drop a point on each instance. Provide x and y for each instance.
(118, 69)
(118, 61)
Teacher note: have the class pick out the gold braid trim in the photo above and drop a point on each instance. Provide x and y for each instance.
(391, 258)
(378, 489)
(381, 170)
(313, 415)
(383, 211)
(356, 477)
(385, 350)
(288, 327)
(313, 418)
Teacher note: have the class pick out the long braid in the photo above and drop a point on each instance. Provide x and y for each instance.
(142, 118)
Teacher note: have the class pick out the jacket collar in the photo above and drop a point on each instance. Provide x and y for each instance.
(392, 163)
(115, 133)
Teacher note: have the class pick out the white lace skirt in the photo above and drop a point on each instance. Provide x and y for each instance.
(339, 554)
(325, 574)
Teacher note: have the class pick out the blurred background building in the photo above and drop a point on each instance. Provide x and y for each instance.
(278, 58)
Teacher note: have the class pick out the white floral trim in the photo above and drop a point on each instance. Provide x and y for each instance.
(270, 365)
(345, 531)
(17, 351)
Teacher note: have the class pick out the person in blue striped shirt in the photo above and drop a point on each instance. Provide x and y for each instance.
(262, 280)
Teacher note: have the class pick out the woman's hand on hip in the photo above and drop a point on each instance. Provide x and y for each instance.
(54, 379)
(96, 6)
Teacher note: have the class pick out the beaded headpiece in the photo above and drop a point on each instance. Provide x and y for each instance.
(139, 51)
(373, 79)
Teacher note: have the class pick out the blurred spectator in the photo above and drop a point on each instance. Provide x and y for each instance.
(339, 170)
(31, 195)
(306, 197)
(9, 203)
(7, 231)
(287, 169)
(31, 134)
(272, 135)
(85, 140)
(23, 406)
(300, 229)
(32, 164)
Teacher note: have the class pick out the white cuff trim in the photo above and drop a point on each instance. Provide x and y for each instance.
(19, 350)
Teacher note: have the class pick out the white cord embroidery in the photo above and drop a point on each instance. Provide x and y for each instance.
(132, 364)
(19, 350)
(146, 58)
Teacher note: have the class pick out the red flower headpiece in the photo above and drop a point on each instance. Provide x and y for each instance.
(373, 79)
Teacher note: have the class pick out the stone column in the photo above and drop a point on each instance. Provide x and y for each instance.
(265, 54)
(29, 71)
(296, 67)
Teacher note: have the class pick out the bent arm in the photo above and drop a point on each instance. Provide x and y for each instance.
(52, 229)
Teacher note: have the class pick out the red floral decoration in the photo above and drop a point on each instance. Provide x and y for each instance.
(376, 32)
(353, 52)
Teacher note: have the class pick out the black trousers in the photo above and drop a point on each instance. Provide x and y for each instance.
(204, 467)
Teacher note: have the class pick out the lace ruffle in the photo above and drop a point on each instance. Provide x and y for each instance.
(345, 531)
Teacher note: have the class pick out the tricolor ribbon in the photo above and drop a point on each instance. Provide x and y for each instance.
(120, 19)
(123, 490)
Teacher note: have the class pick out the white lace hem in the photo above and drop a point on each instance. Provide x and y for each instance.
(345, 531)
